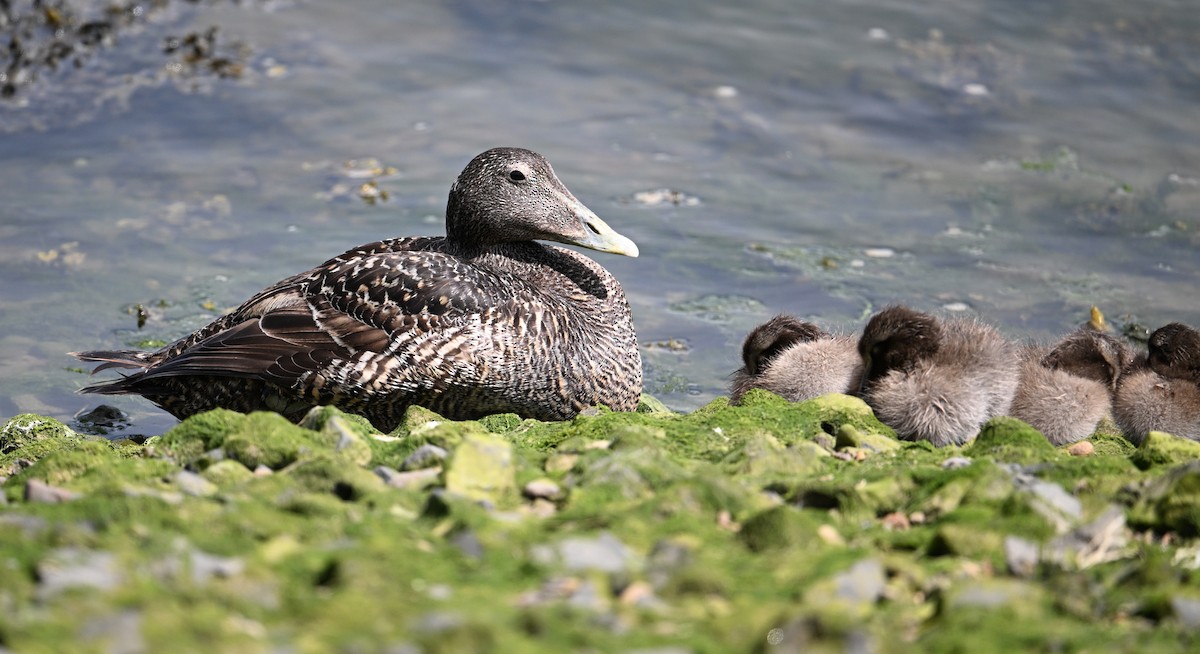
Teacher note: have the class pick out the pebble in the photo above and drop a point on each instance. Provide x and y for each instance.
(39, 492)
(426, 456)
(542, 489)
(1082, 448)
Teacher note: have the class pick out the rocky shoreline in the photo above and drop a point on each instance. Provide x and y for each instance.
(766, 527)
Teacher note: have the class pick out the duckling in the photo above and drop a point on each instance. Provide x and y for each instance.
(797, 360)
(935, 380)
(1162, 393)
(1064, 391)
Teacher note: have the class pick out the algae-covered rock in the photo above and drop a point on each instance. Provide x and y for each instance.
(1160, 448)
(781, 527)
(28, 428)
(481, 468)
(849, 436)
(649, 404)
(227, 473)
(1171, 503)
(1011, 440)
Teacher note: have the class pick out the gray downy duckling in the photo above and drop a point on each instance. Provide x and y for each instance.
(797, 360)
(1065, 390)
(1162, 393)
(483, 320)
(936, 380)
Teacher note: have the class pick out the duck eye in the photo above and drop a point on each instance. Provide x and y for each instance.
(516, 176)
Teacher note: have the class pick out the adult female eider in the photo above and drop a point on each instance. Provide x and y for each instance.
(483, 320)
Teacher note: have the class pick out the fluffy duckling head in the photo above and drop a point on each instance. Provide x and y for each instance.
(1175, 352)
(897, 338)
(766, 341)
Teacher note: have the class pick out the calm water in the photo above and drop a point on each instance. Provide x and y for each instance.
(1017, 160)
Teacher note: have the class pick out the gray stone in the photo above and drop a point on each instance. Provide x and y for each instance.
(413, 479)
(39, 492)
(465, 541)
(956, 462)
(603, 553)
(71, 567)
(205, 566)
(426, 456)
(864, 582)
(1099, 541)
(1187, 611)
(193, 484)
(120, 633)
(1021, 556)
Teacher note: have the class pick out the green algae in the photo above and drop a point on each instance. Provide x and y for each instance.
(720, 530)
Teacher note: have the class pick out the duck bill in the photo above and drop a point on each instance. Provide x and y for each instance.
(595, 234)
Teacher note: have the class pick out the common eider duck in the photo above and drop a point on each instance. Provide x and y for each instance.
(797, 360)
(1065, 390)
(1162, 393)
(483, 320)
(935, 380)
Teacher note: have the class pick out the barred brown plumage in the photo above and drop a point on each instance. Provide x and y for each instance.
(483, 320)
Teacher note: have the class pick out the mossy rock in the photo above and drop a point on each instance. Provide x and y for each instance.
(481, 468)
(781, 527)
(1171, 503)
(1012, 441)
(29, 428)
(1160, 448)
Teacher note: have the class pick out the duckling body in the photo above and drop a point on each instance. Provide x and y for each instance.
(480, 321)
(797, 360)
(1065, 390)
(936, 380)
(1162, 393)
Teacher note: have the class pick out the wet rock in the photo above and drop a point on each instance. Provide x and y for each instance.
(68, 568)
(426, 456)
(102, 419)
(481, 468)
(39, 492)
